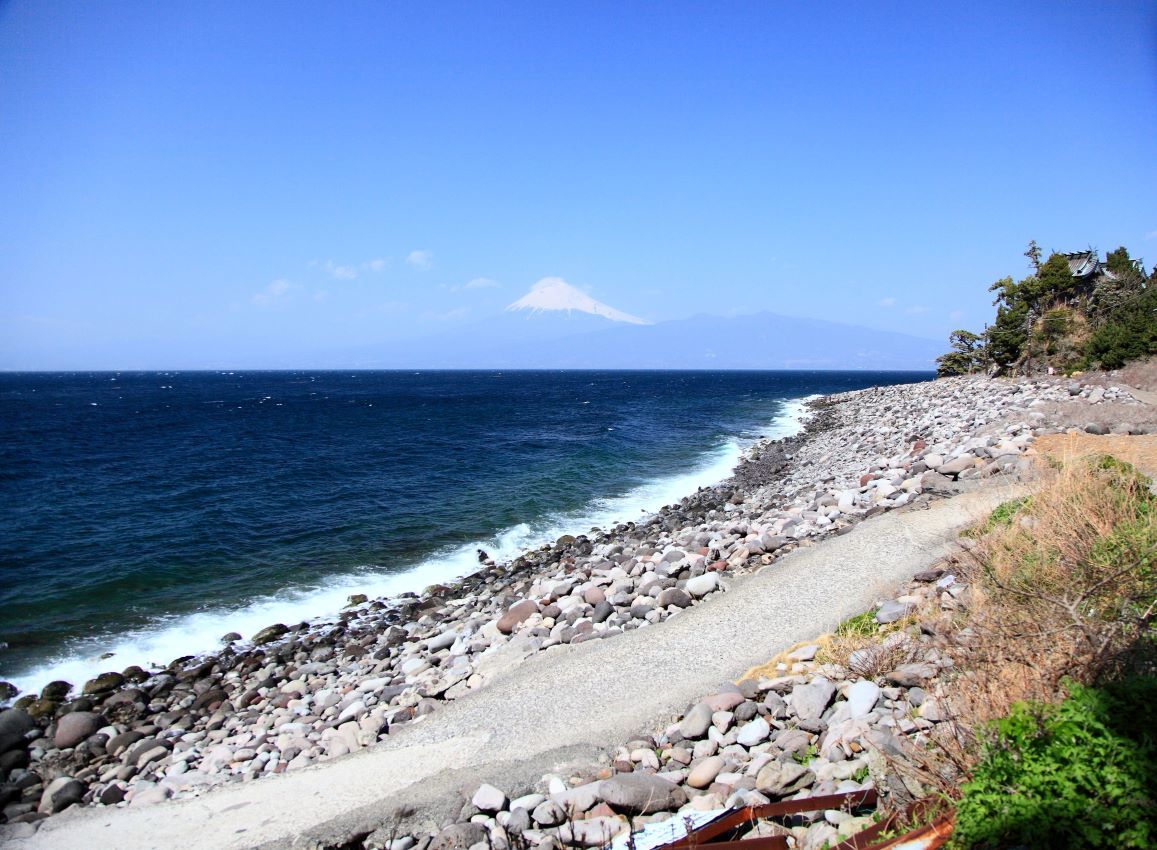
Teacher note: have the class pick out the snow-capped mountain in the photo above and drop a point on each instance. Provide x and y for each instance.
(553, 294)
(556, 326)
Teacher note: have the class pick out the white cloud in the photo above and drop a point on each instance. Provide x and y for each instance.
(321, 295)
(481, 283)
(916, 310)
(421, 260)
(956, 315)
(339, 271)
(450, 315)
(886, 302)
(276, 290)
(1152, 234)
(349, 271)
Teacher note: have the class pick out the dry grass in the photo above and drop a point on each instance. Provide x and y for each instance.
(1141, 451)
(1062, 587)
(1063, 591)
(862, 650)
(771, 669)
(872, 659)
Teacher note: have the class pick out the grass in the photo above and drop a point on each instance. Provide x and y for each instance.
(1002, 515)
(869, 649)
(861, 625)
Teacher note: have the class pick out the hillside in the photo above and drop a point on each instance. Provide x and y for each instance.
(1073, 313)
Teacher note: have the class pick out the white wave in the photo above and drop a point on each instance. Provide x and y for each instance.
(792, 418)
(198, 633)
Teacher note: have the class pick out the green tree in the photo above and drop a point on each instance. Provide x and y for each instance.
(1126, 332)
(1050, 319)
(1054, 282)
(1033, 253)
(967, 355)
(1007, 335)
(1124, 283)
(1121, 264)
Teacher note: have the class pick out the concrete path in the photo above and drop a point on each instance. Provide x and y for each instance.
(561, 707)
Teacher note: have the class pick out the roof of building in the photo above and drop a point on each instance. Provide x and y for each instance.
(1084, 264)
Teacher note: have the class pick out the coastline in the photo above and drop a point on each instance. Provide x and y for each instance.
(199, 634)
(284, 706)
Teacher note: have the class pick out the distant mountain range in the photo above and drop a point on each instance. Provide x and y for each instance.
(555, 326)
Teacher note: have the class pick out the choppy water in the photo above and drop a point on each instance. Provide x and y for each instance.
(146, 514)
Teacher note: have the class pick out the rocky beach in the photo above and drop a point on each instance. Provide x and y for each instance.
(296, 697)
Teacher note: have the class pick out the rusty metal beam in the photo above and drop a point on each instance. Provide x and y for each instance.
(750, 814)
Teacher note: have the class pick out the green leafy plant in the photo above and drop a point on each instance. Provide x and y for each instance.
(1077, 774)
(806, 756)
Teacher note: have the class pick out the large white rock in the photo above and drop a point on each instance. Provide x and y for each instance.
(753, 733)
(489, 799)
(702, 585)
(862, 698)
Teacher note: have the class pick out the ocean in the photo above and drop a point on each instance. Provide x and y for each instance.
(146, 514)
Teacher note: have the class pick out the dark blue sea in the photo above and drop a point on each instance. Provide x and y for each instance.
(146, 514)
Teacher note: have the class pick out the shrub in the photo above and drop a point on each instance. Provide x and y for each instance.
(1077, 774)
(1002, 514)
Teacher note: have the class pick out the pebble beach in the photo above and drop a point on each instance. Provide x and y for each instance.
(296, 695)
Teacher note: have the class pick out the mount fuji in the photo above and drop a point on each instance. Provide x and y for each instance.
(557, 326)
(553, 294)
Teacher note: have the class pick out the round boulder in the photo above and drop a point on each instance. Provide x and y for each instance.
(61, 793)
(42, 708)
(515, 614)
(702, 585)
(641, 794)
(270, 634)
(489, 799)
(14, 723)
(104, 683)
(703, 773)
(135, 674)
(673, 596)
(74, 727)
(56, 691)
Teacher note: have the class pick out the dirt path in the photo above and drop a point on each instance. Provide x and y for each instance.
(558, 708)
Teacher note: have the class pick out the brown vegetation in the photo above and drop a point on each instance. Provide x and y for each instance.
(1062, 589)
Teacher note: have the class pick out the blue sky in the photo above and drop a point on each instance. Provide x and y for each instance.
(209, 183)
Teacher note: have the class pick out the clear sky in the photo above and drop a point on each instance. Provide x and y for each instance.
(202, 183)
